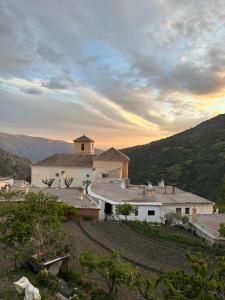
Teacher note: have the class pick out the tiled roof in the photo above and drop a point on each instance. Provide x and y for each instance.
(111, 155)
(83, 138)
(67, 160)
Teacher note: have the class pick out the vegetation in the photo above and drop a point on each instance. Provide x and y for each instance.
(203, 283)
(175, 218)
(222, 229)
(86, 183)
(113, 270)
(35, 227)
(193, 159)
(14, 166)
(125, 210)
(48, 182)
(68, 182)
(161, 232)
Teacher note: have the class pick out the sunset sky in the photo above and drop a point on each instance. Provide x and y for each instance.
(124, 72)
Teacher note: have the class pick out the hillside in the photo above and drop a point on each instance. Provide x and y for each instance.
(193, 159)
(34, 148)
(12, 165)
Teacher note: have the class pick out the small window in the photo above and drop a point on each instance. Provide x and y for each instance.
(187, 210)
(82, 147)
(151, 212)
(136, 212)
(178, 210)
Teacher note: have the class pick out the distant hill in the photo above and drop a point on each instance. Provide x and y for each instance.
(12, 165)
(193, 159)
(34, 148)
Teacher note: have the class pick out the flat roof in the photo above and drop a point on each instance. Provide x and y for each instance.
(68, 196)
(210, 222)
(112, 190)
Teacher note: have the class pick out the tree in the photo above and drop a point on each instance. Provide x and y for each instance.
(175, 218)
(48, 182)
(203, 283)
(87, 183)
(222, 229)
(35, 223)
(125, 210)
(113, 270)
(68, 182)
(147, 285)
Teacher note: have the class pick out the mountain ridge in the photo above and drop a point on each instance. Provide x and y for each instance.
(193, 159)
(34, 148)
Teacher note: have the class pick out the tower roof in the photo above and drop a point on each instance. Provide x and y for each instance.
(83, 138)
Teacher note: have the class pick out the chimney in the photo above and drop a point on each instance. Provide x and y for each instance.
(173, 188)
(161, 184)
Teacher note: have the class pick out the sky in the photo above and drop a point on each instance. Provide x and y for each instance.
(123, 72)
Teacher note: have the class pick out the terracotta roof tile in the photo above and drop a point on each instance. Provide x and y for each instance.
(112, 154)
(67, 160)
(83, 138)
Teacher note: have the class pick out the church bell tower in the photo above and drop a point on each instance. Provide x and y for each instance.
(84, 146)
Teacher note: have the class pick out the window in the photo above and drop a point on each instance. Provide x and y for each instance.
(178, 210)
(187, 210)
(151, 212)
(136, 212)
(82, 147)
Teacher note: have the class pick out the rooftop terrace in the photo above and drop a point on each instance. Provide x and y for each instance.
(112, 189)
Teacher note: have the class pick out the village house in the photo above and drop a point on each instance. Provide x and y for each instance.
(152, 202)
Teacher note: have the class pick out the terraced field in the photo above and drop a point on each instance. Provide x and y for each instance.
(147, 253)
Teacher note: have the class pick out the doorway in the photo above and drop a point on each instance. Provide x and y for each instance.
(108, 208)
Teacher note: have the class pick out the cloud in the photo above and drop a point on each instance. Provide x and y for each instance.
(148, 67)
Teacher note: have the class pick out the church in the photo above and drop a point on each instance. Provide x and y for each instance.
(82, 165)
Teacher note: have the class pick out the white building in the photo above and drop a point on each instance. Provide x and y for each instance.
(152, 202)
(82, 165)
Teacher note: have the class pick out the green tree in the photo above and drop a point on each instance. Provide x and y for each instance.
(125, 210)
(203, 283)
(36, 222)
(175, 218)
(147, 286)
(113, 270)
(222, 229)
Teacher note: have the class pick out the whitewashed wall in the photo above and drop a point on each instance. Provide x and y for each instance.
(79, 175)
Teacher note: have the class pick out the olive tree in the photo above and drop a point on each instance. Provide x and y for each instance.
(125, 210)
(113, 270)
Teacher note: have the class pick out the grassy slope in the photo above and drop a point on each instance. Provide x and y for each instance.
(193, 159)
(12, 165)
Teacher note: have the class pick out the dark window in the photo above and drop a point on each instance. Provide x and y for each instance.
(151, 212)
(178, 210)
(136, 213)
(82, 147)
(187, 211)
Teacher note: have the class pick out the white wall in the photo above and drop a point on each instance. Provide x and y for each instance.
(79, 175)
(143, 214)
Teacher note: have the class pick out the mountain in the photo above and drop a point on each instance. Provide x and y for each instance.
(193, 159)
(15, 166)
(34, 148)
